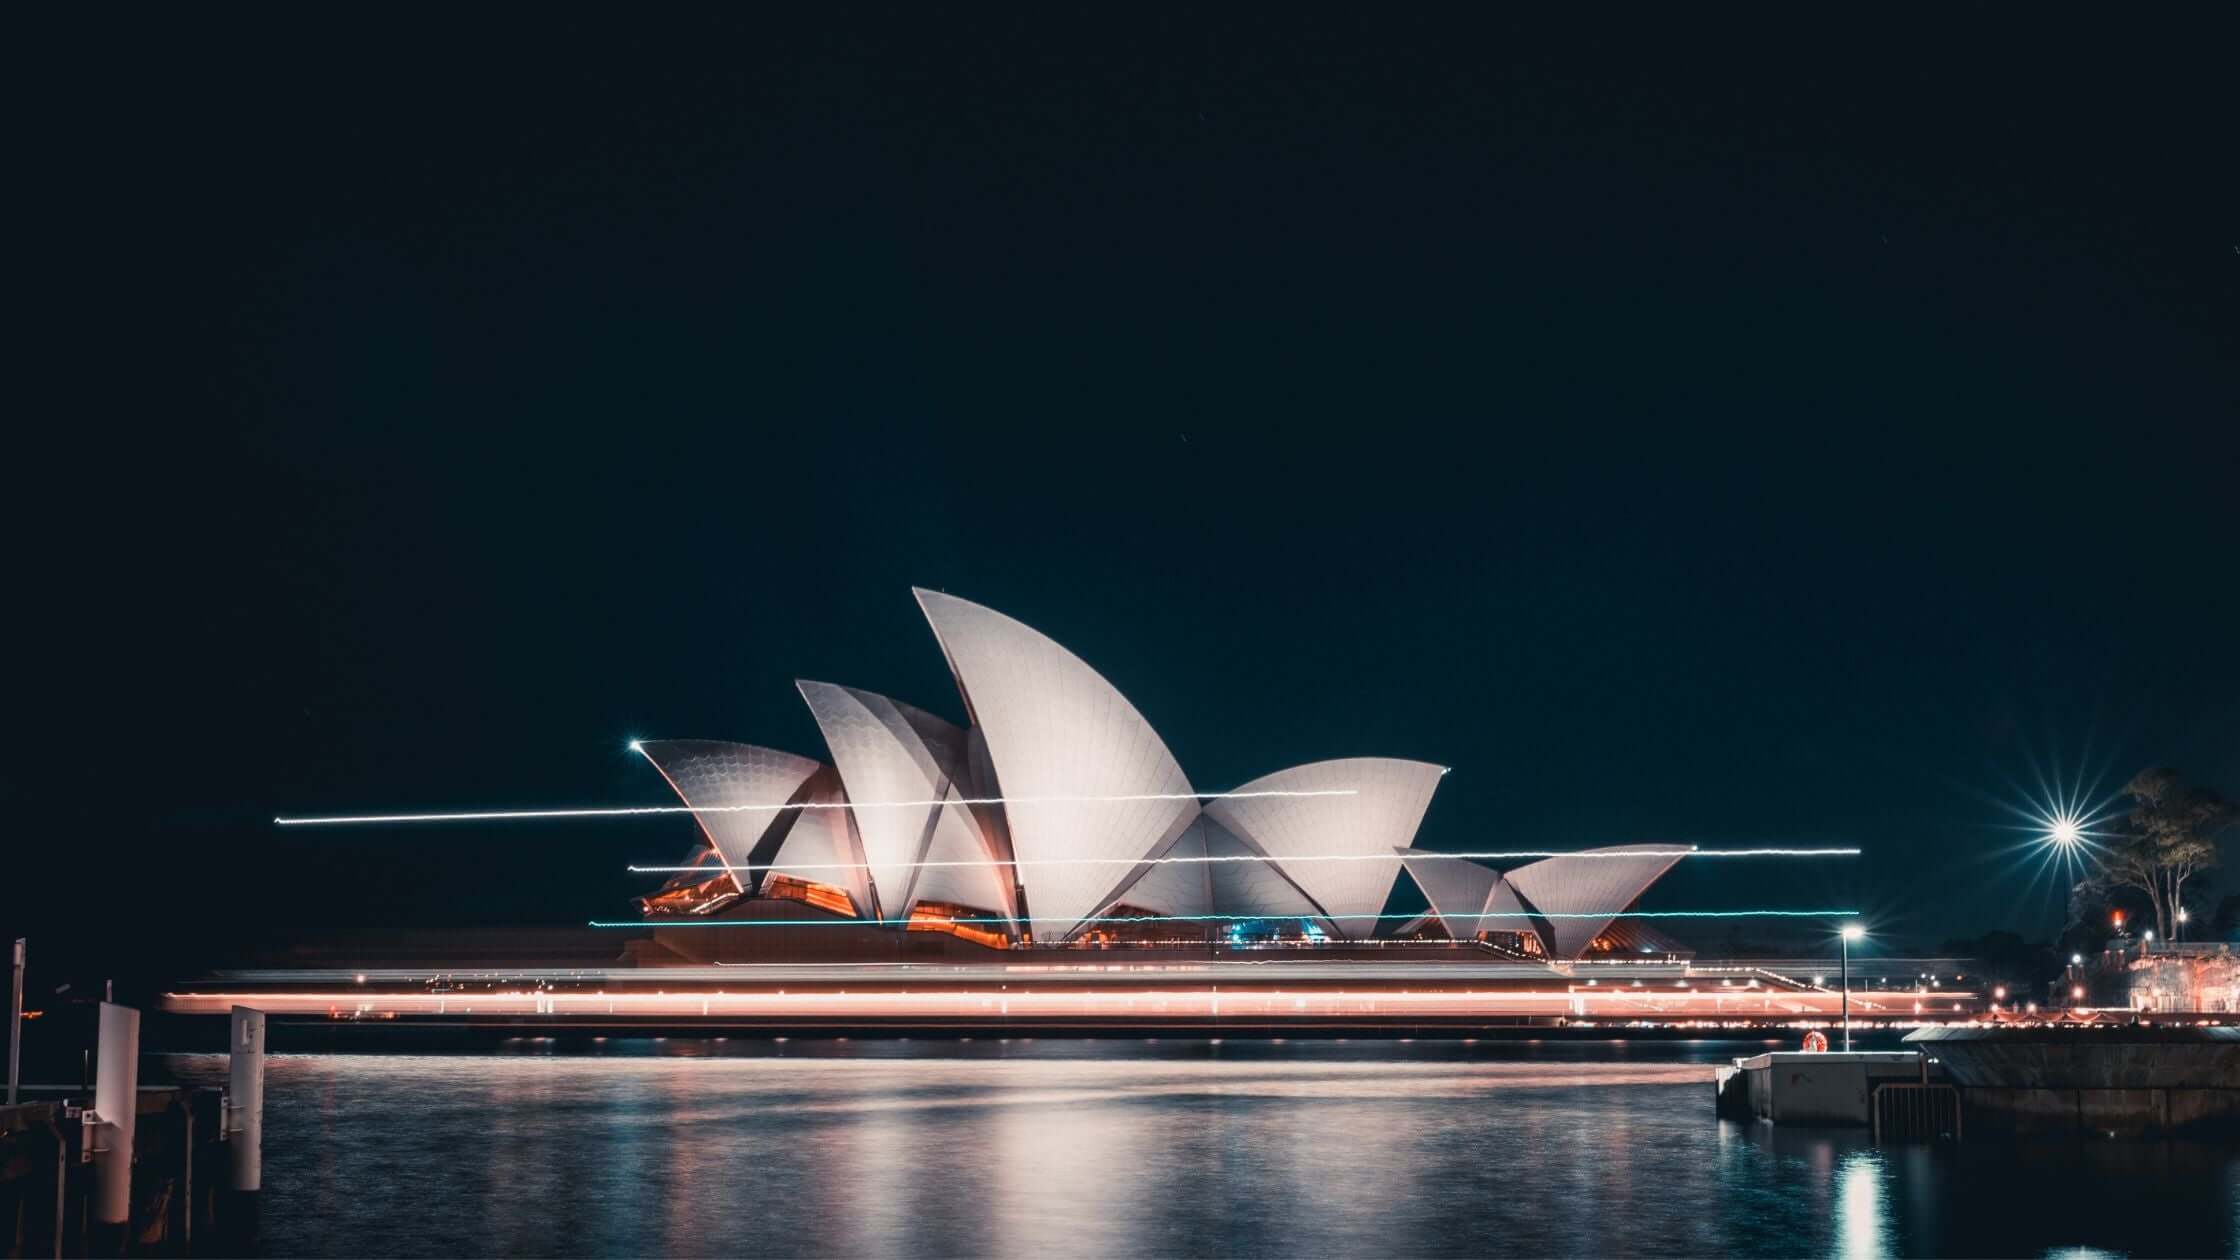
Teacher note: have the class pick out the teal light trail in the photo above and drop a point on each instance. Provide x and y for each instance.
(1504, 855)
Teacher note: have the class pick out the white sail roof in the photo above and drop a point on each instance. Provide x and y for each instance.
(1252, 885)
(1179, 883)
(1595, 882)
(897, 761)
(820, 845)
(1339, 849)
(734, 791)
(1457, 889)
(1210, 870)
(1064, 744)
(1505, 913)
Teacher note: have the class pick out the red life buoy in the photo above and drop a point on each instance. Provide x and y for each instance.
(1815, 1042)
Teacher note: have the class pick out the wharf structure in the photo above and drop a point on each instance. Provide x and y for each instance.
(1047, 865)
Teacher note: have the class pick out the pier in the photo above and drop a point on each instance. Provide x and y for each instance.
(124, 1169)
(2012, 1082)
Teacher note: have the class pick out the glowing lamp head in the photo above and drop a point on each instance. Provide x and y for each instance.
(2065, 832)
(1853, 932)
(637, 746)
(2182, 915)
(2076, 960)
(2149, 934)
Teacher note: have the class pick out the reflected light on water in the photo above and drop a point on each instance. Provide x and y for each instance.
(1863, 1214)
(1181, 1147)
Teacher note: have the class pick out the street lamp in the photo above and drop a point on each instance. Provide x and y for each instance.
(1851, 932)
(2179, 930)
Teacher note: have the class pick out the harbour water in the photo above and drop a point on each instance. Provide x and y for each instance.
(1021, 1148)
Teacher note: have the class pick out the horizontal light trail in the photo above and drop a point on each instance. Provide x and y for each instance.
(1285, 861)
(996, 1007)
(1233, 918)
(635, 811)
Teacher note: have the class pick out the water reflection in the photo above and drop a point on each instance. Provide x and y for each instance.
(1180, 1148)
(1862, 1215)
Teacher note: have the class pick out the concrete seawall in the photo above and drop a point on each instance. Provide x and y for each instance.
(2006, 1082)
(2091, 1080)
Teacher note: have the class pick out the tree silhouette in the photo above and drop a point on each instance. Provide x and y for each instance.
(2168, 838)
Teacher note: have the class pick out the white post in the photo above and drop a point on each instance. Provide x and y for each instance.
(245, 1098)
(116, 1099)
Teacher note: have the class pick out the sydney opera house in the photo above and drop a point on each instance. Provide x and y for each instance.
(1055, 819)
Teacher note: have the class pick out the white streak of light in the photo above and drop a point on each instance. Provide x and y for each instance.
(633, 811)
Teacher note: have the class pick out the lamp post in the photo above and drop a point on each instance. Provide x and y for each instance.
(15, 1024)
(1851, 932)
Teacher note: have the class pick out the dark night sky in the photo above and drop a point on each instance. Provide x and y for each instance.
(1788, 430)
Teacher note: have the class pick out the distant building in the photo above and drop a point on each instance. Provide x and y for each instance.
(2189, 978)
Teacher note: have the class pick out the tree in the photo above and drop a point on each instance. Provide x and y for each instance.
(2167, 839)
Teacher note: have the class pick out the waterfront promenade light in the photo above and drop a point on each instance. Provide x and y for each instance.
(1851, 932)
(2065, 832)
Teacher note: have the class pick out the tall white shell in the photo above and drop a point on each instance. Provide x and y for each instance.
(1598, 883)
(1064, 743)
(1339, 849)
(896, 762)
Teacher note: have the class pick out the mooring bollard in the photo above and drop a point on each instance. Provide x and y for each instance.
(244, 1126)
(116, 1102)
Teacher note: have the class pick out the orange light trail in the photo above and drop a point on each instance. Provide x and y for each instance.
(975, 1005)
